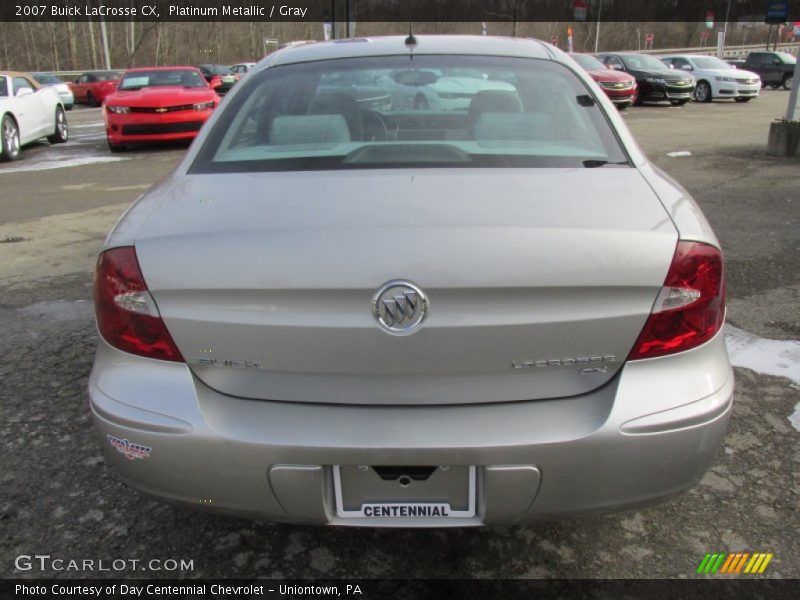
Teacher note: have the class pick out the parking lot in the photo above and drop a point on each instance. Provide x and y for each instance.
(58, 497)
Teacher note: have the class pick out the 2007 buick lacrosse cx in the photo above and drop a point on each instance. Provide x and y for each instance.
(423, 281)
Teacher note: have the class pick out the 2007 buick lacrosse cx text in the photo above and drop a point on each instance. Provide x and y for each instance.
(422, 281)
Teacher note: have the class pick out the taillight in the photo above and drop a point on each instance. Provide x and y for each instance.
(690, 309)
(127, 315)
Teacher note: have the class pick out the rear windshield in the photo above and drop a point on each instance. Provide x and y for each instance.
(46, 79)
(396, 112)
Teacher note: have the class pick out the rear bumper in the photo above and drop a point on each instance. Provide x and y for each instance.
(648, 434)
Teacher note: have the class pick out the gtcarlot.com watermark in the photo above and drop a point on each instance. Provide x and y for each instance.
(48, 563)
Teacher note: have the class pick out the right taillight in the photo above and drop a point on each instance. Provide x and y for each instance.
(127, 315)
(690, 309)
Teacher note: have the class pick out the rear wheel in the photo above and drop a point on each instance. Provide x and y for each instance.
(787, 82)
(774, 86)
(9, 141)
(703, 92)
(61, 133)
(743, 99)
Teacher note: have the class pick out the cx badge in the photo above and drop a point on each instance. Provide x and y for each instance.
(399, 307)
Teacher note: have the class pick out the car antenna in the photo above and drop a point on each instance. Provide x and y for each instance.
(411, 41)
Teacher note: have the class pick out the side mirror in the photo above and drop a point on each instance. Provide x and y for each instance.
(24, 91)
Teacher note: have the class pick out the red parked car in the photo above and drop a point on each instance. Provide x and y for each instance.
(93, 87)
(620, 87)
(158, 104)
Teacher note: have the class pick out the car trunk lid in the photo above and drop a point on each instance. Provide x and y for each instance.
(538, 280)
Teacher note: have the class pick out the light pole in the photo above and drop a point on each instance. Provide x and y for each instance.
(597, 32)
(725, 29)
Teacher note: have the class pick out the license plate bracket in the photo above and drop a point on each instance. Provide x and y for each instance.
(361, 493)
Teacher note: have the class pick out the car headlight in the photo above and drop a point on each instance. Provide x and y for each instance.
(722, 78)
(119, 110)
(204, 105)
(654, 80)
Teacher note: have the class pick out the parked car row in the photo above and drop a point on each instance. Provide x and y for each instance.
(155, 104)
(677, 78)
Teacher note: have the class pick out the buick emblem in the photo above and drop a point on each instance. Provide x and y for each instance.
(399, 307)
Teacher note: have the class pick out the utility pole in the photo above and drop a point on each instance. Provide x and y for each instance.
(104, 34)
(725, 29)
(597, 32)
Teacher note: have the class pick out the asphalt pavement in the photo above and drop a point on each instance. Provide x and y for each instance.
(59, 498)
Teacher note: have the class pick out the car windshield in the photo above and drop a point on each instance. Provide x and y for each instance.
(710, 62)
(642, 61)
(136, 80)
(108, 75)
(46, 79)
(787, 58)
(588, 62)
(389, 112)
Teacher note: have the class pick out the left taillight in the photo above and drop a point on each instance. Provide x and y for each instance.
(127, 315)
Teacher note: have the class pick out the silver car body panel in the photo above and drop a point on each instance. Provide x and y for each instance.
(273, 275)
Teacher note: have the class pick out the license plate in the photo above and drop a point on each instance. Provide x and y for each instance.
(361, 493)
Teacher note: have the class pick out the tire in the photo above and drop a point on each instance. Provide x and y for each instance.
(774, 86)
(61, 133)
(637, 99)
(9, 139)
(116, 147)
(702, 92)
(421, 102)
(91, 100)
(787, 82)
(623, 106)
(678, 102)
(743, 99)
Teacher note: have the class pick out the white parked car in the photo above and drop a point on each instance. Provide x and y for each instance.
(716, 78)
(28, 112)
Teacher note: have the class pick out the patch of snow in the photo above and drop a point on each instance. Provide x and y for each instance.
(770, 357)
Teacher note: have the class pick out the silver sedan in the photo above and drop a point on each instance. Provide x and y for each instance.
(339, 313)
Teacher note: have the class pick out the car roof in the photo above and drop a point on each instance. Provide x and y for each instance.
(395, 45)
(175, 68)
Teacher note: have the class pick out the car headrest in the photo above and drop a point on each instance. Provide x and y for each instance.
(309, 129)
(521, 127)
(492, 101)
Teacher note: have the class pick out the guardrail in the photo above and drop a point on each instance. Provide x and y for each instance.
(730, 51)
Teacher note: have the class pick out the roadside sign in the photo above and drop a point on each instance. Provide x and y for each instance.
(579, 7)
(777, 12)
